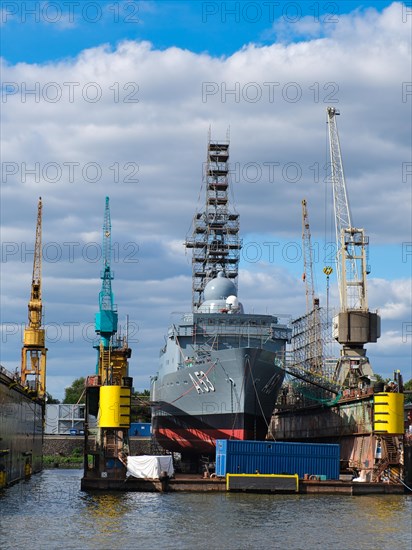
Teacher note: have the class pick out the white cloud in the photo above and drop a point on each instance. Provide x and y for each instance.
(147, 155)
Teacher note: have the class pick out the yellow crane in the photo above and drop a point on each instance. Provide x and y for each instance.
(307, 260)
(33, 353)
(314, 344)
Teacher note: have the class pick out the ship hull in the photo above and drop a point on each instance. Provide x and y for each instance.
(21, 432)
(231, 396)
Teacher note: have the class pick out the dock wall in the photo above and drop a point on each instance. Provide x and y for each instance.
(65, 445)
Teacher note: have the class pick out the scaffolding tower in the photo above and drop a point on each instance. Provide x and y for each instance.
(311, 363)
(215, 237)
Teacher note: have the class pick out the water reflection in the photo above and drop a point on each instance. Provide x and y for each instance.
(51, 512)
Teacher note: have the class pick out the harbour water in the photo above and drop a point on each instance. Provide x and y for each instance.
(50, 512)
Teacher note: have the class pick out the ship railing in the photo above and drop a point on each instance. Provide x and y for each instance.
(224, 328)
(12, 375)
(230, 341)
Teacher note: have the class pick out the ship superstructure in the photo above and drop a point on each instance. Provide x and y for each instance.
(218, 376)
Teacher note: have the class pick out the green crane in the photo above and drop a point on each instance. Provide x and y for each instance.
(106, 319)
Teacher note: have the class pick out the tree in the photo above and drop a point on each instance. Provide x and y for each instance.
(140, 411)
(408, 386)
(50, 400)
(73, 393)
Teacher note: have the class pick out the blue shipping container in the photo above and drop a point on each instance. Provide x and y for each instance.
(277, 457)
(140, 429)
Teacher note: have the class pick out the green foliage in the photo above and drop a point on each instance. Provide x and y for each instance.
(144, 393)
(380, 378)
(140, 410)
(73, 393)
(408, 386)
(77, 452)
(61, 460)
(75, 458)
(50, 399)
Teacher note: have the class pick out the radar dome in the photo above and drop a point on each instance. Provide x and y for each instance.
(232, 302)
(219, 288)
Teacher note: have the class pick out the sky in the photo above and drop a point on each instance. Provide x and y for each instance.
(117, 99)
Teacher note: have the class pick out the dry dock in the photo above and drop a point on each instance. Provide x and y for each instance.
(194, 483)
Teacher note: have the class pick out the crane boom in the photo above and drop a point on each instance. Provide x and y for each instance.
(340, 198)
(313, 351)
(107, 318)
(34, 335)
(350, 242)
(106, 294)
(35, 305)
(307, 259)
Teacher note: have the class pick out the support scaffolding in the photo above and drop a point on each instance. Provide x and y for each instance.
(215, 237)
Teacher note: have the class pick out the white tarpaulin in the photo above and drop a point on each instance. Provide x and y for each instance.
(149, 466)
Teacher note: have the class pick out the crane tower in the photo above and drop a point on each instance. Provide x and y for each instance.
(107, 318)
(354, 325)
(33, 354)
(307, 260)
(108, 393)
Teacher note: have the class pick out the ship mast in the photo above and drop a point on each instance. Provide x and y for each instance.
(34, 335)
(215, 237)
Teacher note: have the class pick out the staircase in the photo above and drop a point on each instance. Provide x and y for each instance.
(105, 355)
(111, 448)
(390, 445)
(390, 458)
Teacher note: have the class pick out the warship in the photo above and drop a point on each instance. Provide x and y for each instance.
(218, 377)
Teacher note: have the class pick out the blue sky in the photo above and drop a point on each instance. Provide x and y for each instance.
(117, 98)
(37, 31)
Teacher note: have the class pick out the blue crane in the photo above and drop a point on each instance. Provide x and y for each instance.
(108, 395)
(107, 317)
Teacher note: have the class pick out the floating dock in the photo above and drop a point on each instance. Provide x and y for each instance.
(194, 483)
